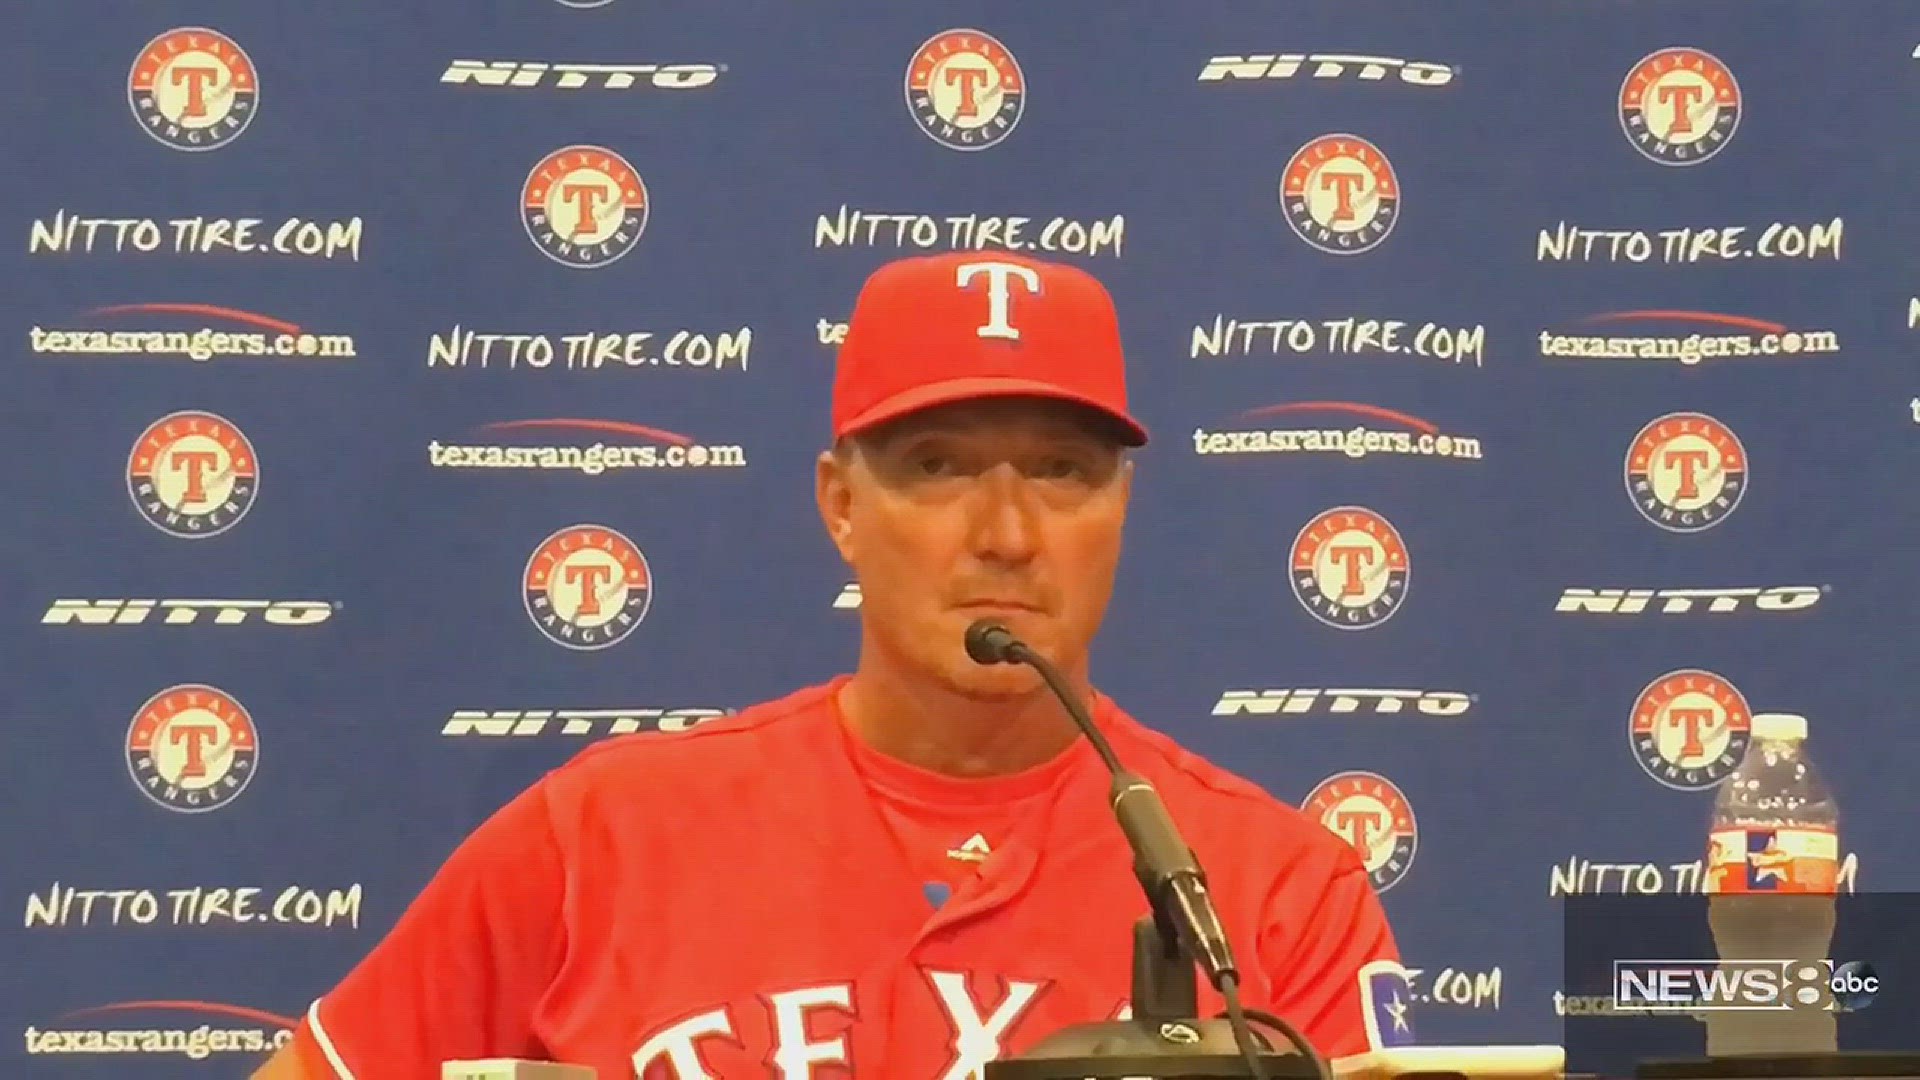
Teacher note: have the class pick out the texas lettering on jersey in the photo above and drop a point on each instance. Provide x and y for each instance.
(805, 1031)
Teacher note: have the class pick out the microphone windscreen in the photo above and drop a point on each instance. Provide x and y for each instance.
(987, 642)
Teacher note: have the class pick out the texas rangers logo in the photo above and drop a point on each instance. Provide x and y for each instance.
(1366, 810)
(1686, 472)
(193, 89)
(1340, 194)
(584, 206)
(1349, 568)
(192, 475)
(192, 748)
(1690, 729)
(587, 587)
(965, 90)
(1679, 106)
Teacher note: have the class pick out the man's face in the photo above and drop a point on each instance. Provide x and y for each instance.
(1009, 509)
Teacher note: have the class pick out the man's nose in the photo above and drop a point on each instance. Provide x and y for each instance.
(1005, 528)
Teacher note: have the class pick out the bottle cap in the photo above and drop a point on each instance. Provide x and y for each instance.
(1776, 726)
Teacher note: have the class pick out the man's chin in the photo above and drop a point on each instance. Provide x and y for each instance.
(998, 683)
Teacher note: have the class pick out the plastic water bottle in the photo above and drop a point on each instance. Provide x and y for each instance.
(1772, 866)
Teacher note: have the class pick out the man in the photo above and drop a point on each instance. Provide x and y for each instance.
(903, 873)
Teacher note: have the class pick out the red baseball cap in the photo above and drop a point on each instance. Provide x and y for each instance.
(935, 329)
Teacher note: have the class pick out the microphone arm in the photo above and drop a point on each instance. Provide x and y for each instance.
(1165, 866)
(1167, 870)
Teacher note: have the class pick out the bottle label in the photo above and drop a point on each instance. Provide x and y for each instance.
(1773, 859)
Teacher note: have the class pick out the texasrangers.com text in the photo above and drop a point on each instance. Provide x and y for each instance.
(591, 460)
(1355, 442)
(195, 1043)
(1565, 1004)
(1689, 348)
(202, 344)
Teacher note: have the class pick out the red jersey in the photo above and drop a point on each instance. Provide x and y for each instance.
(764, 893)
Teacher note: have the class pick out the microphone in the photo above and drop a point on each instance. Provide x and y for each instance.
(990, 643)
(1163, 862)
(1177, 891)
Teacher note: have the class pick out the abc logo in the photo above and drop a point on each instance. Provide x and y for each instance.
(1828, 987)
(1855, 984)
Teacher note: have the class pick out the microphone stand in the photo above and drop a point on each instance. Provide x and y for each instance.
(1165, 1036)
(1164, 988)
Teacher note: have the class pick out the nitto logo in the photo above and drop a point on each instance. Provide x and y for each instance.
(185, 612)
(1263, 66)
(499, 723)
(538, 75)
(1686, 601)
(1342, 702)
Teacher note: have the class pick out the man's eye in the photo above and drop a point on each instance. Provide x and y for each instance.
(933, 465)
(1062, 469)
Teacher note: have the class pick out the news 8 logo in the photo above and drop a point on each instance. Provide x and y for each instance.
(1743, 985)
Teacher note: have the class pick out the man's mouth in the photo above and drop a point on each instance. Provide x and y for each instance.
(1000, 606)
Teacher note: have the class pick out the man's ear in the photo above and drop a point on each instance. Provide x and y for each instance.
(833, 495)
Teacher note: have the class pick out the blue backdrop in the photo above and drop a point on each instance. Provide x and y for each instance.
(1471, 337)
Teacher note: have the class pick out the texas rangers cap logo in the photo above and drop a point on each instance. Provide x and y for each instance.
(192, 748)
(193, 89)
(1349, 568)
(1679, 106)
(1366, 810)
(1690, 729)
(965, 89)
(1340, 194)
(584, 206)
(1686, 472)
(587, 587)
(192, 474)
